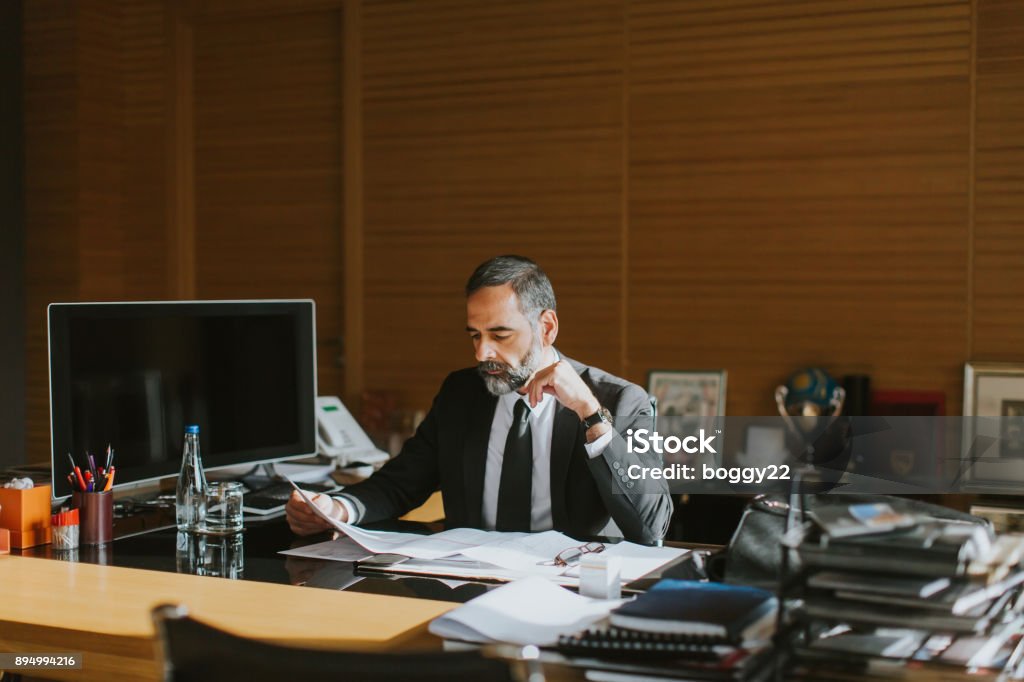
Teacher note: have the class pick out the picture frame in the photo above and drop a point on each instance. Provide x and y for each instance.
(994, 407)
(688, 393)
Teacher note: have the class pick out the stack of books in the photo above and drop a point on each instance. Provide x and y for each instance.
(699, 630)
(882, 585)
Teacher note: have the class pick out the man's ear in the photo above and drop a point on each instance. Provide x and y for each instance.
(548, 327)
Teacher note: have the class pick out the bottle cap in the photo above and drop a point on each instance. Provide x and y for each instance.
(192, 428)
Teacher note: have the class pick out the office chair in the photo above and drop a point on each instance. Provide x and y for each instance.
(193, 651)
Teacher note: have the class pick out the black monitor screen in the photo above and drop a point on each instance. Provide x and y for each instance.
(134, 375)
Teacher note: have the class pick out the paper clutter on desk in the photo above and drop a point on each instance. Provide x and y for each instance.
(26, 513)
(533, 610)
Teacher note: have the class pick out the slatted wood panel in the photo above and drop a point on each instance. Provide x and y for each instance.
(144, 74)
(268, 175)
(51, 189)
(104, 254)
(756, 186)
(489, 128)
(998, 294)
(799, 191)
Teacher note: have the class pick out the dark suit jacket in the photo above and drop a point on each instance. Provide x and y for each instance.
(449, 451)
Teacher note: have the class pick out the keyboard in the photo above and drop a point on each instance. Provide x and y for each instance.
(273, 497)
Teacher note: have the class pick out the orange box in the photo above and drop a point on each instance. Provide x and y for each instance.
(26, 513)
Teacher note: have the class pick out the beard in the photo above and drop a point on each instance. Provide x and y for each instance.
(511, 378)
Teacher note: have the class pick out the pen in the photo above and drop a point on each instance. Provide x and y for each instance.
(92, 464)
(110, 457)
(110, 478)
(78, 475)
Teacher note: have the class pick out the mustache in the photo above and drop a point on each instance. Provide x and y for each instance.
(492, 366)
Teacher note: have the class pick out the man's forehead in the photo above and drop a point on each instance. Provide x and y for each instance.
(493, 306)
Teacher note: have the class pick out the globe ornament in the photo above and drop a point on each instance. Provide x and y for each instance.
(810, 392)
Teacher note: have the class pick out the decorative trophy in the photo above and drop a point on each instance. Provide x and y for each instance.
(810, 403)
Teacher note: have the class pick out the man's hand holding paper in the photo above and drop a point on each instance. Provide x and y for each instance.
(305, 521)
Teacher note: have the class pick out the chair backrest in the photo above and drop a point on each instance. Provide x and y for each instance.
(196, 652)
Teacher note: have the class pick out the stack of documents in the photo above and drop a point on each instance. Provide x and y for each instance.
(470, 553)
(939, 592)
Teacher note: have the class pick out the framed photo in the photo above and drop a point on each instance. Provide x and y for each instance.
(995, 389)
(688, 393)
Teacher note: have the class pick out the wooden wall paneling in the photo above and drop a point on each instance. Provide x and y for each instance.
(51, 194)
(12, 238)
(489, 128)
(103, 250)
(268, 165)
(144, 124)
(179, 151)
(798, 192)
(353, 340)
(998, 285)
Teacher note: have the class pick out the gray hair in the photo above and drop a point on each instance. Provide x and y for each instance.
(530, 284)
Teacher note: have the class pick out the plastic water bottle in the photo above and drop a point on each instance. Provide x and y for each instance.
(190, 507)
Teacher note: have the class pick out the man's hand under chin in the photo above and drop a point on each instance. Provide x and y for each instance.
(304, 521)
(562, 381)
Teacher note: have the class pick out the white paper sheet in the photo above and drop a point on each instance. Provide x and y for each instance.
(340, 549)
(434, 546)
(517, 553)
(528, 611)
(522, 551)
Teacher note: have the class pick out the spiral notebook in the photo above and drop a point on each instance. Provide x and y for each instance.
(613, 642)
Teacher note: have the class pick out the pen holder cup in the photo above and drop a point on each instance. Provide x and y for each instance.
(96, 516)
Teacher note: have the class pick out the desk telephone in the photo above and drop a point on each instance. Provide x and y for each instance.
(339, 435)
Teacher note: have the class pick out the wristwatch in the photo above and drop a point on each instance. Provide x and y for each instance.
(602, 415)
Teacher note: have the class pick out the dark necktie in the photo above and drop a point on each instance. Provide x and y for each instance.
(516, 473)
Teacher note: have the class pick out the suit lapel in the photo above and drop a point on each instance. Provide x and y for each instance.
(479, 416)
(564, 440)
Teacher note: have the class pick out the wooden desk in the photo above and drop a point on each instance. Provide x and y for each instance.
(103, 612)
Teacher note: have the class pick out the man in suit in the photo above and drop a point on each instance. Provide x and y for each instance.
(524, 441)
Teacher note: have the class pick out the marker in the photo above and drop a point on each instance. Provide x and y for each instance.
(110, 478)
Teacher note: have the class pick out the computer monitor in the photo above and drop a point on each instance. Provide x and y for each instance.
(134, 375)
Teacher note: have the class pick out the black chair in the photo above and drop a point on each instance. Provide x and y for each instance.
(196, 652)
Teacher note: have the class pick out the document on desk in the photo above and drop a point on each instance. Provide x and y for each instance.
(340, 549)
(515, 554)
(528, 611)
